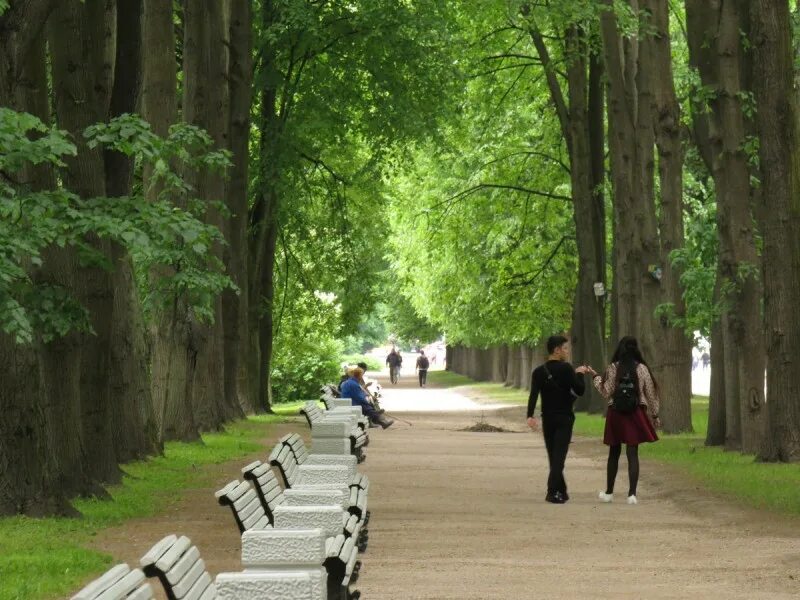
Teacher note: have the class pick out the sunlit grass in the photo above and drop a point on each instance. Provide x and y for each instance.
(48, 558)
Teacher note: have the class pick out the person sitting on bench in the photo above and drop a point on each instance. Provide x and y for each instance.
(358, 397)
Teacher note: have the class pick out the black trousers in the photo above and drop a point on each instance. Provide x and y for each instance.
(557, 430)
(423, 376)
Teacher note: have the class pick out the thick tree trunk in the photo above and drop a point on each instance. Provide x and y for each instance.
(36, 477)
(721, 67)
(205, 105)
(135, 432)
(172, 358)
(675, 369)
(589, 214)
(235, 306)
(638, 94)
(79, 43)
(773, 77)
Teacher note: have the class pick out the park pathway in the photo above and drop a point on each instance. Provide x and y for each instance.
(461, 515)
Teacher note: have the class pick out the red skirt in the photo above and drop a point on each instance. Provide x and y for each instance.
(630, 429)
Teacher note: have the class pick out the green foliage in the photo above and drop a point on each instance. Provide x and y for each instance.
(482, 242)
(306, 349)
(373, 364)
(55, 549)
(157, 234)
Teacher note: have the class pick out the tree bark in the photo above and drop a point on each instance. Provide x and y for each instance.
(172, 357)
(205, 105)
(37, 477)
(636, 97)
(589, 214)
(715, 34)
(716, 433)
(235, 306)
(81, 71)
(675, 369)
(773, 78)
(135, 432)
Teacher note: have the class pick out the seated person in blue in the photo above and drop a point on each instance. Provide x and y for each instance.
(358, 397)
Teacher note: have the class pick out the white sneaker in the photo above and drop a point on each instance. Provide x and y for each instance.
(605, 497)
(632, 500)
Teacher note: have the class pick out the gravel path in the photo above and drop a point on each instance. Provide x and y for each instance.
(459, 515)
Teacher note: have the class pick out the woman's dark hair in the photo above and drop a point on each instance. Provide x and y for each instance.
(555, 341)
(627, 356)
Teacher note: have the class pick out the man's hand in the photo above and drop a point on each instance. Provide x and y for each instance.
(533, 423)
(582, 369)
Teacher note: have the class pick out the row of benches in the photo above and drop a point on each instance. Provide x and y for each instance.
(300, 536)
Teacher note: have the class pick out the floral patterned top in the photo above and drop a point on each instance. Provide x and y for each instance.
(648, 396)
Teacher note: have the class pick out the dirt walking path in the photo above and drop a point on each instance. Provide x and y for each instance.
(461, 515)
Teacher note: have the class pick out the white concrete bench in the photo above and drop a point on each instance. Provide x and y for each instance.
(352, 441)
(358, 434)
(249, 513)
(285, 565)
(341, 529)
(271, 496)
(176, 563)
(118, 583)
(320, 477)
(304, 457)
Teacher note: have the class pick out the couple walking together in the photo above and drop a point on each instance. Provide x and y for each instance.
(632, 395)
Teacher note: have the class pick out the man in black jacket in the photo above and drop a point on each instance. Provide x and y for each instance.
(559, 385)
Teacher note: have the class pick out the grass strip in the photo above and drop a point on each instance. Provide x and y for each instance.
(48, 558)
(771, 486)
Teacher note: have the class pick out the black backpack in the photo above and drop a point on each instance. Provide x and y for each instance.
(626, 397)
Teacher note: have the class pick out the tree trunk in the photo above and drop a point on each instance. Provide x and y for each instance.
(637, 94)
(720, 64)
(588, 321)
(37, 477)
(716, 433)
(135, 432)
(773, 75)
(80, 38)
(205, 105)
(172, 358)
(235, 306)
(676, 348)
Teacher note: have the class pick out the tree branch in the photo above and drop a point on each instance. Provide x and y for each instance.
(500, 186)
(531, 278)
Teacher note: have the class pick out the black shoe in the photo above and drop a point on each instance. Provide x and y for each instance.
(555, 498)
(565, 495)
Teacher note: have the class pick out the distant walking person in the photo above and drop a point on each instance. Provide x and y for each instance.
(632, 419)
(422, 368)
(395, 361)
(559, 385)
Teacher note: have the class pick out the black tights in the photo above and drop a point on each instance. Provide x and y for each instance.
(614, 452)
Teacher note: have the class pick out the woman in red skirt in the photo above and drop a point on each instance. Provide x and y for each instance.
(630, 428)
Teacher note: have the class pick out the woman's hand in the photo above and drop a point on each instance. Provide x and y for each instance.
(657, 422)
(533, 423)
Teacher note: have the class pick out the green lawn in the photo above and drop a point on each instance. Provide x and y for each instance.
(48, 558)
(771, 486)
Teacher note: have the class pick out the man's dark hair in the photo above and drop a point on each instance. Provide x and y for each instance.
(363, 365)
(555, 341)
